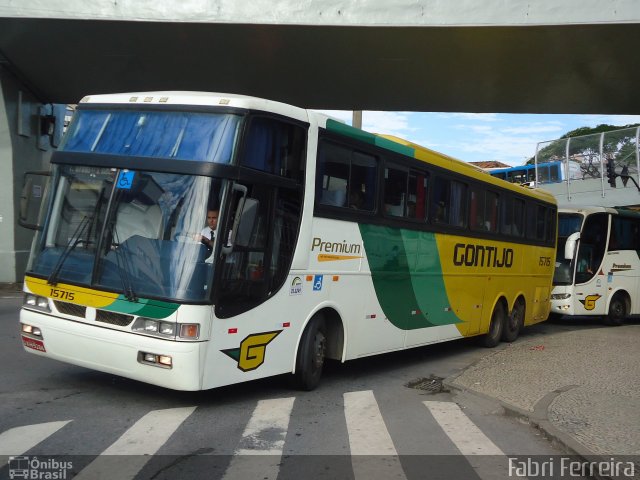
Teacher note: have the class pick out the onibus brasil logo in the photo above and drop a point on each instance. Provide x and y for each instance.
(250, 355)
(38, 469)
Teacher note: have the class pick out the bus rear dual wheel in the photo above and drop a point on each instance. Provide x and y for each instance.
(503, 326)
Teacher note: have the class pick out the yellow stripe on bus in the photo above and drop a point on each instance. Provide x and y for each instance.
(70, 293)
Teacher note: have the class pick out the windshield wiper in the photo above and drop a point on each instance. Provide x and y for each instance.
(76, 238)
(123, 264)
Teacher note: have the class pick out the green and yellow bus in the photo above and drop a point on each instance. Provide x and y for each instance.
(331, 243)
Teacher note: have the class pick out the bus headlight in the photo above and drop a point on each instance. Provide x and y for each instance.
(157, 360)
(159, 328)
(560, 296)
(154, 327)
(31, 330)
(36, 302)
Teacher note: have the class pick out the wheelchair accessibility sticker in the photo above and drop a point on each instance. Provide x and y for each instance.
(317, 283)
(125, 180)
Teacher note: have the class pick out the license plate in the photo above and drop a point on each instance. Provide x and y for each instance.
(33, 343)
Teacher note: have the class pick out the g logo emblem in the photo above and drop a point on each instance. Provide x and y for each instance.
(589, 301)
(252, 350)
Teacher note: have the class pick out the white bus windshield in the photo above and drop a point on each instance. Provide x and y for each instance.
(135, 232)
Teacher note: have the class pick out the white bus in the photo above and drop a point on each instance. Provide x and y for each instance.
(331, 243)
(597, 264)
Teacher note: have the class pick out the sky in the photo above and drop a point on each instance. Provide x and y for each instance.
(474, 137)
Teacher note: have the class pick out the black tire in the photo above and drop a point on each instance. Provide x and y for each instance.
(498, 319)
(311, 355)
(617, 311)
(555, 317)
(514, 322)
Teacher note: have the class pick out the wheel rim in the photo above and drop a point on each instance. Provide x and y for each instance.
(318, 351)
(617, 309)
(515, 320)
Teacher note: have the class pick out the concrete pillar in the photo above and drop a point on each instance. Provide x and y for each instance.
(19, 152)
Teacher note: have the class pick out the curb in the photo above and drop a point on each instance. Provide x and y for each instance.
(538, 419)
(11, 287)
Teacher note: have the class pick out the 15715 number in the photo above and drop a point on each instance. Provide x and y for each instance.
(545, 261)
(61, 294)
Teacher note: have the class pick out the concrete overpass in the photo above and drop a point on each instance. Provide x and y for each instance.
(420, 55)
(572, 56)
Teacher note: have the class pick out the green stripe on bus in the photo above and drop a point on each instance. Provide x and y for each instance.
(349, 131)
(395, 147)
(407, 277)
(143, 307)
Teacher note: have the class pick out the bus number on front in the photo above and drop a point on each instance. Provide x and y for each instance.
(61, 294)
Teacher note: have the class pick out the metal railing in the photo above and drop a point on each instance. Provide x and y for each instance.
(585, 157)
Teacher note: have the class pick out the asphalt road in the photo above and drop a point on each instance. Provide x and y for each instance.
(367, 408)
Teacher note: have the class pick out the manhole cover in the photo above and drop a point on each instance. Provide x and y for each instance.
(432, 384)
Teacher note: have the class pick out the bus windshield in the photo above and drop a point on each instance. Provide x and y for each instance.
(207, 137)
(567, 224)
(135, 232)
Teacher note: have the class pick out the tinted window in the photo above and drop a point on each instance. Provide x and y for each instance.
(274, 147)
(345, 178)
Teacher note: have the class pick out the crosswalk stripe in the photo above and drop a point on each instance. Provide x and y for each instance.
(260, 450)
(468, 438)
(138, 443)
(17, 441)
(368, 436)
(485, 457)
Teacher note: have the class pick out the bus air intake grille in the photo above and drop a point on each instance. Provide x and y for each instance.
(70, 308)
(113, 318)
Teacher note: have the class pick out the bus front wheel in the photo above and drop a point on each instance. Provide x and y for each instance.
(617, 311)
(311, 355)
(498, 319)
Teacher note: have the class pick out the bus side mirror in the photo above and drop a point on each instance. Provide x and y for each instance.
(33, 192)
(570, 246)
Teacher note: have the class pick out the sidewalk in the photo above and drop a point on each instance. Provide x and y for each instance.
(581, 387)
(10, 289)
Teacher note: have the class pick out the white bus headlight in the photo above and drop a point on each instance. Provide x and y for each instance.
(560, 296)
(168, 328)
(157, 328)
(150, 326)
(31, 330)
(36, 302)
(157, 360)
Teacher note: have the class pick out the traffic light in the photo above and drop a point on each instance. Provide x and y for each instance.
(611, 173)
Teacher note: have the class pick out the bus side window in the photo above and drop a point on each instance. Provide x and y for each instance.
(362, 181)
(395, 192)
(275, 147)
(333, 175)
(439, 203)
(458, 204)
(345, 177)
(417, 195)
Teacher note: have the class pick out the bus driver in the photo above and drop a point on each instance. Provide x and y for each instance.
(208, 233)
